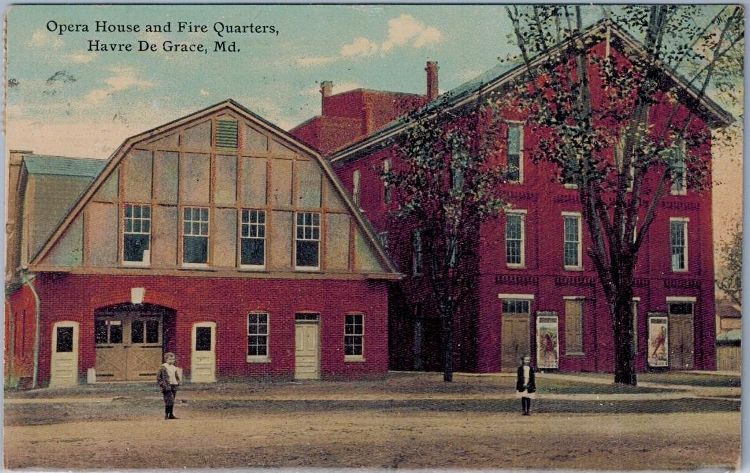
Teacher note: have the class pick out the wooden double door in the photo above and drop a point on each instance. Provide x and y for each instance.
(129, 345)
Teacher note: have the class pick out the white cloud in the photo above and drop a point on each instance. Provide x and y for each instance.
(360, 47)
(315, 60)
(403, 31)
(81, 58)
(45, 39)
(123, 78)
(204, 93)
(406, 29)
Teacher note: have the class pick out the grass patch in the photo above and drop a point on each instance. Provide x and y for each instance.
(677, 377)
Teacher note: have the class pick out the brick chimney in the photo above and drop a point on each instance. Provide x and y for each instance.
(432, 79)
(326, 87)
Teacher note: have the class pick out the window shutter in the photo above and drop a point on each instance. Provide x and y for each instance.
(574, 326)
(226, 134)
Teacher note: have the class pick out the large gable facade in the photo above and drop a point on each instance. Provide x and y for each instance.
(218, 237)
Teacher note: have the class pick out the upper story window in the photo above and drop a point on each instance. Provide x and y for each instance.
(678, 232)
(387, 187)
(416, 262)
(253, 238)
(307, 244)
(679, 169)
(257, 337)
(515, 152)
(354, 336)
(356, 189)
(226, 133)
(195, 234)
(383, 237)
(515, 236)
(572, 241)
(137, 235)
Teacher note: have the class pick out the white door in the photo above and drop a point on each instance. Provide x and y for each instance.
(64, 363)
(203, 359)
(307, 351)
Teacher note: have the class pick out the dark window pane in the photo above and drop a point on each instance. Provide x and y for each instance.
(136, 332)
(196, 250)
(682, 308)
(64, 339)
(134, 247)
(115, 334)
(152, 331)
(307, 253)
(253, 251)
(203, 339)
(100, 329)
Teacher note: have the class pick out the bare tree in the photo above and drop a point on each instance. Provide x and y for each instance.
(730, 274)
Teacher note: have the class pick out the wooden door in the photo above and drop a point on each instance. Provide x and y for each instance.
(144, 350)
(203, 359)
(515, 340)
(307, 350)
(681, 348)
(111, 354)
(64, 362)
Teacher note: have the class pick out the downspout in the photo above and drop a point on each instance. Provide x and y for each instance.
(29, 281)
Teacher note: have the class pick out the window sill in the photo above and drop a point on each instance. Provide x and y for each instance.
(252, 269)
(196, 267)
(308, 269)
(575, 353)
(516, 266)
(136, 264)
(258, 359)
(354, 359)
(680, 271)
(573, 268)
(678, 193)
(570, 186)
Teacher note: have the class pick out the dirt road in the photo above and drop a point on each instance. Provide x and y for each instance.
(385, 439)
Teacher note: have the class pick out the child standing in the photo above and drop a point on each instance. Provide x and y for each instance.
(169, 379)
(525, 384)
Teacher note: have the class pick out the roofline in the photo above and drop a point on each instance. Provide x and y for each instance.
(122, 150)
(723, 117)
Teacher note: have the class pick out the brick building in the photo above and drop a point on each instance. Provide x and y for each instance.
(537, 291)
(217, 236)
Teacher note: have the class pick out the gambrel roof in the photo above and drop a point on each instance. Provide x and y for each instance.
(226, 106)
(504, 74)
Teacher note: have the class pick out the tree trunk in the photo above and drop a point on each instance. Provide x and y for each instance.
(447, 328)
(623, 330)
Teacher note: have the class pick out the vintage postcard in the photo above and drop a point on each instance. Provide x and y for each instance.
(437, 237)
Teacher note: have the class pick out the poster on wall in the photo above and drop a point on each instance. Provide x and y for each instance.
(658, 348)
(547, 341)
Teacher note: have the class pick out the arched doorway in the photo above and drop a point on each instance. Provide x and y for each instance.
(130, 340)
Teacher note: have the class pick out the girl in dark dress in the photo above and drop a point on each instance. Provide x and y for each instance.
(525, 384)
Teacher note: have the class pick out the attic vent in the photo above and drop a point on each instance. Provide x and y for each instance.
(226, 134)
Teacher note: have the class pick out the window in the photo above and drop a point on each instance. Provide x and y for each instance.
(144, 331)
(108, 331)
(226, 134)
(356, 186)
(383, 237)
(514, 239)
(572, 240)
(64, 340)
(195, 236)
(386, 187)
(516, 306)
(137, 234)
(308, 241)
(574, 326)
(257, 337)
(680, 307)
(679, 243)
(203, 339)
(416, 261)
(354, 334)
(253, 238)
(515, 152)
(679, 169)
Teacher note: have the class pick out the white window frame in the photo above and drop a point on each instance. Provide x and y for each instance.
(520, 126)
(146, 253)
(356, 187)
(355, 358)
(207, 235)
(685, 225)
(683, 181)
(579, 266)
(312, 228)
(416, 249)
(250, 226)
(521, 213)
(259, 358)
(387, 189)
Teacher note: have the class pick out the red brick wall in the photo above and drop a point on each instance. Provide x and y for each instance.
(227, 301)
(20, 328)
